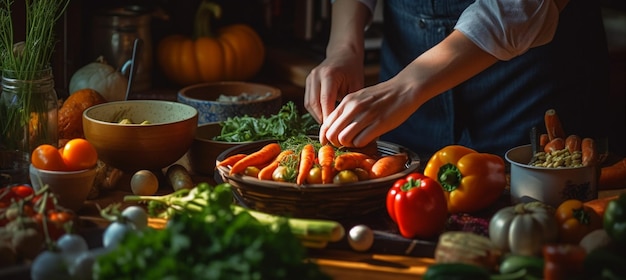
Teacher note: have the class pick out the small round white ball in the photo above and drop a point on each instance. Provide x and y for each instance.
(361, 238)
(144, 182)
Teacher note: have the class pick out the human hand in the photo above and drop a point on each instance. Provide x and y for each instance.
(364, 115)
(330, 81)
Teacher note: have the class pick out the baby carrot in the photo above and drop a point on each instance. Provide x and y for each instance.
(573, 143)
(388, 165)
(264, 155)
(326, 157)
(266, 172)
(553, 125)
(555, 144)
(350, 160)
(543, 140)
(307, 159)
(229, 161)
(589, 153)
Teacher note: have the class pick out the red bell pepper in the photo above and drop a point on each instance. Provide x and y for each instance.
(417, 204)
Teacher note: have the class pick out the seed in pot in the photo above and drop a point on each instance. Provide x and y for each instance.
(144, 182)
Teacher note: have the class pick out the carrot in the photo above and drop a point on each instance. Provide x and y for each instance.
(613, 176)
(553, 125)
(589, 153)
(555, 144)
(262, 156)
(266, 172)
(573, 143)
(326, 157)
(229, 161)
(598, 205)
(388, 165)
(307, 159)
(543, 140)
(350, 160)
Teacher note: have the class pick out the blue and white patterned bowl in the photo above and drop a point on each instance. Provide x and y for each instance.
(219, 101)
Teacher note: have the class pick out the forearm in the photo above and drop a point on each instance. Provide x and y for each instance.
(349, 18)
(449, 63)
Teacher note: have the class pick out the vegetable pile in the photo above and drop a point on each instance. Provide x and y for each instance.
(206, 237)
(288, 122)
(312, 232)
(302, 160)
(27, 220)
(577, 240)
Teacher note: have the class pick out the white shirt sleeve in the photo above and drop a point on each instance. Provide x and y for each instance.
(508, 28)
(371, 4)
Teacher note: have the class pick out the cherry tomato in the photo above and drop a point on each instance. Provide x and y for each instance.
(252, 171)
(56, 222)
(315, 175)
(50, 202)
(22, 191)
(47, 157)
(362, 174)
(345, 176)
(6, 195)
(79, 154)
(280, 174)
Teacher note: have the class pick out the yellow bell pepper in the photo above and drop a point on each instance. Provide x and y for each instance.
(471, 180)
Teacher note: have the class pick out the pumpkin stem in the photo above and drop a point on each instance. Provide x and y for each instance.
(204, 15)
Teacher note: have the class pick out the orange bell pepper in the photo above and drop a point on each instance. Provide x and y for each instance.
(575, 220)
(471, 180)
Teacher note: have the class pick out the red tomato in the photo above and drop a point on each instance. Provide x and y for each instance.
(50, 202)
(79, 154)
(22, 191)
(56, 222)
(47, 157)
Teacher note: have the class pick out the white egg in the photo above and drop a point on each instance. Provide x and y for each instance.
(144, 182)
(361, 238)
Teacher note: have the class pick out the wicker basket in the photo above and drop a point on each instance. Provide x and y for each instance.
(331, 201)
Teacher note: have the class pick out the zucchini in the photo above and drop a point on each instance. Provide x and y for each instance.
(513, 263)
(456, 271)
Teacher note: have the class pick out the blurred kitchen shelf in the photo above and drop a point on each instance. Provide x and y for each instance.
(295, 64)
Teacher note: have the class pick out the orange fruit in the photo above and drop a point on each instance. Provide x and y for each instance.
(47, 157)
(79, 154)
(71, 112)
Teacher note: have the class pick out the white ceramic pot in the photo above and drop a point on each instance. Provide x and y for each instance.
(549, 185)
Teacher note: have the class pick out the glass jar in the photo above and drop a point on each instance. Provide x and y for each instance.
(28, 118)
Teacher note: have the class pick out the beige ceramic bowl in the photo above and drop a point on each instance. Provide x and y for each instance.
(71, 187)
(549, 185)
(204, 150)
(204, 97)
(132, 147)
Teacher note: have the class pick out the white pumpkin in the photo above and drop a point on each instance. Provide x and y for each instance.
(524, 228)
(101, 77)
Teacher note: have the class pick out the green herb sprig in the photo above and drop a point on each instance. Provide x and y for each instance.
(288, 122)
(27, 60)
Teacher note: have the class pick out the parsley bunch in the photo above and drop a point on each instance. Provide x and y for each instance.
(286, 123)
(214, 243)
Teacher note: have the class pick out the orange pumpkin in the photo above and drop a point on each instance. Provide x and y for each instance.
(234, 52)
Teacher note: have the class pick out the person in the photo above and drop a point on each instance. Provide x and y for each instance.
(478, 73)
